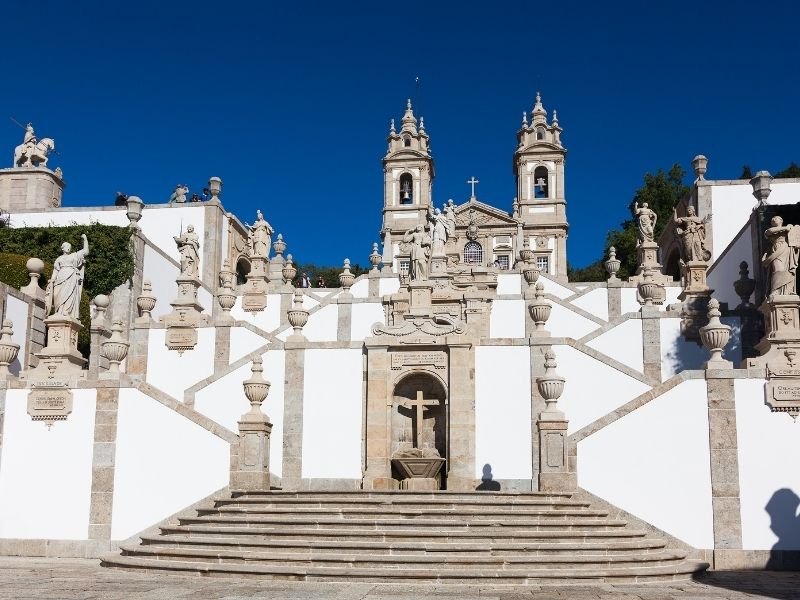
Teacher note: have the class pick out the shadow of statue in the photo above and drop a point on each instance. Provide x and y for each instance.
(785, 524)
(488, 484)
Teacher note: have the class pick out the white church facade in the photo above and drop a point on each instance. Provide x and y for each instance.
(464, 373)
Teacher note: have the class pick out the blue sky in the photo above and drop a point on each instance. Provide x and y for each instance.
(290, 103)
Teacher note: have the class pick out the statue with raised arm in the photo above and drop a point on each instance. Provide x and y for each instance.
(418, 265)
(32, 152)
(645, 222)
(260, 236)
(780, 262)
(189, 249)
(438, 229)
(691, 230)
(30, 135)
(179, 195)
(63, 294)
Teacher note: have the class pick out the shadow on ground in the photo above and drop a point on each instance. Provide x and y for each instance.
(782, 585)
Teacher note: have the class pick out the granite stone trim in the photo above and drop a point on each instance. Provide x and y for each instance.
(292, 468)
(723, 445)
(103, 461)
(651, 345)
(2, 415)
(576, 309)
(344, 321)
(222, 349)
(609, 325)
(190, 392)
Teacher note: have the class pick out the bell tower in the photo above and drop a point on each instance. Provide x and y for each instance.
(407, 179)
(539, 172)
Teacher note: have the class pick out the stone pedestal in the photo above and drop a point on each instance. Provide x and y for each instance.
(254, 294)
(647, 256)
(250, 457)
(185, 317)
(59, 359)
(782, 319)
(438, 271)
(419, 474)
(694, 298)
(554, 475)
(275, 272)
(420, 298)
(780, 353)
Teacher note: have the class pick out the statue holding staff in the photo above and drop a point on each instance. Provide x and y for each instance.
(63, 294)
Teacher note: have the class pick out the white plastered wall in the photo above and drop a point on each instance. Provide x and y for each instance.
(592, 388)
(224, 402)
(509, 284)
(564, 322)
(769, 482)
(364, 316)
(628, 302)
(173, 373)
(332, 416)
(678, 354)
(160, 225)
(244, 341)
(17, 312)
(725, 271)
(503, 411)
(556, 289)
(360, 289)
(655, 463)
(164, 462)
(322, 325)
(595, 302)
(389, 285)
(623, 343)
(507, 319)
(268, 319)
(46, 475)
(161, 273)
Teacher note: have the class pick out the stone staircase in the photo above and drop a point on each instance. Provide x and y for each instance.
(446, 537)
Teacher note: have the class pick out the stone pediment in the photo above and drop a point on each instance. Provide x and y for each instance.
(482, 215)
(408, 153)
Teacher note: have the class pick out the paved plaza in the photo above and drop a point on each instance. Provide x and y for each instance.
(73, 579)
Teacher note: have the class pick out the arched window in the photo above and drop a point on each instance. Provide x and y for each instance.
(406, 189)
(540, 183)
(540, 133)
(407, 141)
(473, 253)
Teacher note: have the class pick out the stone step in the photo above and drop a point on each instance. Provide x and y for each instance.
(678, 570)
(393, 494)
(420, 534)
(407, 512)
(442, 525)
(437, 548)
(400, 500)
(395, 561)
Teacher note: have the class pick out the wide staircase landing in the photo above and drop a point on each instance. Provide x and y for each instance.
(446, 537)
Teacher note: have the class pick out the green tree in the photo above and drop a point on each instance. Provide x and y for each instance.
(661, 191)
(793, 170)
(747, 172)
(330, 275)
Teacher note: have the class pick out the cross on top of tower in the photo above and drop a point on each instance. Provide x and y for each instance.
(472, 181)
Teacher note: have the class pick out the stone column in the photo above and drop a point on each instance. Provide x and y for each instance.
(291, 472)
(345, 317)
(378, 475)
(254, 295)
(105, 445)
(461, 474)
(222, 345)
(250, 456)
(651, 342)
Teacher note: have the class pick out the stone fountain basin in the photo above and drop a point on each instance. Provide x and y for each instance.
(418, 467)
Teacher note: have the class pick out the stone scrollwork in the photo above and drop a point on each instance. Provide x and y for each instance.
(440, 325)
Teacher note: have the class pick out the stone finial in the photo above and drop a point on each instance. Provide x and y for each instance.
(8, 349)
(612, 264)
(135, 206)
(346, 277)
(647, 287)
(256, 389)
(539, 107)
(762, 186)
(524, 119)
(540, 308)
(215, 188)
(422, 125)
(551, 385)
(700, 165)
(35, 268)
(375, 257)
(392, 130)
(298, 316)
(146, 301)
(100, 302)
(115, 349)
(289, 271)
(279, 246)
(525, 253)
(225, 295)
(715, 335)
(250, 455)
(744, 286)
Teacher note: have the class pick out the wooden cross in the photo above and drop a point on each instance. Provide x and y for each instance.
(472, 181)
(420, 403)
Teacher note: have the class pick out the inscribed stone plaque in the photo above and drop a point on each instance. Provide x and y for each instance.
(181, 338)
(49, 404)
(783, 395)
(416, 359)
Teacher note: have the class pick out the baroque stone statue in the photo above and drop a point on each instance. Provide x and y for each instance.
(63, 294)
(32, 152)
(780, 262)
(419, 240)
(189, 249)
(691, 230)
(259, 237)
(179, 195)
(450, 218)
(439, 230)
(645, 222)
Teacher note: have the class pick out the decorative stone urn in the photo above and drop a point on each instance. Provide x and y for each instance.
(101, 302)
(647, 287)
(346, 277)
(298, 316)
(526, 254)
(115, 349)
(540, 308)
(700, 165)
(612, 264)
(551, 385)
(530, 272)
(135, 206)
(375, 257)
(226, 299)
(8, 349)
(256, 388)
(279, 246)
(762, 186)
(35, 267)
(289, 271)
(744, 286)
(215, 187)
(146, 301)
(715, 335)
(250, 455)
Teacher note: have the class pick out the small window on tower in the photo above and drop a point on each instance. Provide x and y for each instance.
(543, 263)
(540, 133)
(503, 262)
(540, 183)
(406, 142)
(406, 189)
